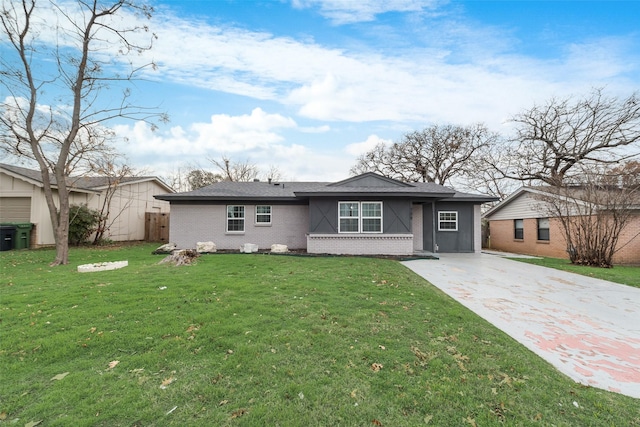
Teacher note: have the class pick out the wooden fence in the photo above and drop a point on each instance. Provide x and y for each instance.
(156, 227)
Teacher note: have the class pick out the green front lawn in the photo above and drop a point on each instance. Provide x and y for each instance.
(626, 275)
(265, 340)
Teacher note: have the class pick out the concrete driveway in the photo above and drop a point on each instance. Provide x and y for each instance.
(589, 329)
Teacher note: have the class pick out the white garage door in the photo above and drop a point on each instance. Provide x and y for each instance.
(15, 209)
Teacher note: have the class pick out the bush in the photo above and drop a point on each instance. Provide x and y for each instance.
(82, 223)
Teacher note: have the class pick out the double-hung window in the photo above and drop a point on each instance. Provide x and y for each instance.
(263, 214)
(371, 217)
(360, 217)
(447, 221)
(518, 229)
(543, 228)
(235, 218)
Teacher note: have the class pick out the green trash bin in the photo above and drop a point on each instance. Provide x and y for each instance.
(23, 235)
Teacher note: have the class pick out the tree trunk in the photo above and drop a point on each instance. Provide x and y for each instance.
(61, 227)
(62, 246)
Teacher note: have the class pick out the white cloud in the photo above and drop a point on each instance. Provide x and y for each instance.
(437, 79)
(359, 148)
(453, 71)
(223, 134)
(254, 137)
(227, 133)
(315, 129)
(349, 11)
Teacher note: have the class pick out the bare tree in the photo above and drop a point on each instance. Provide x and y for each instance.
(272, 174)
(484, 177)
(593, 211)
(53, 116)
(198, 178)
(115, 172)
(236, 170)
(552, 139)
(436, 154)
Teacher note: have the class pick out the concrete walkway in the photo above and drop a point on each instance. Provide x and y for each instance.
(589, 329)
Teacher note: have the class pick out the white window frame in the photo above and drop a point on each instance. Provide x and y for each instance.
(230, 209)
(262, 214)
(360, 217)
(541, 222)
(442, 220)
(518, 222)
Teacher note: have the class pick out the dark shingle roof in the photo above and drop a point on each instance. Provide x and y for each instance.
(78, 182)
(363, 185)
(230, 190)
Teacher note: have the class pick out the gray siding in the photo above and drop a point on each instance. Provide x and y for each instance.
(207, 222)
(462, 240)
(323, 215)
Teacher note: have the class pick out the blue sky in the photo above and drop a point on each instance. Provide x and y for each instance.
(308, 85)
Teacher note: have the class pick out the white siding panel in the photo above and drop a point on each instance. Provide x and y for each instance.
(416, 227)
(477, 228)
(524, 206)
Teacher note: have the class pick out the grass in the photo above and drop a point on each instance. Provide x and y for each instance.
(255, 340)
(626, 275)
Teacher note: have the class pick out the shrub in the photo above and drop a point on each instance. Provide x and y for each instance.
(82, 223)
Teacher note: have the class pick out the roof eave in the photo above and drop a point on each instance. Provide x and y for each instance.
(173, 197)
(395, 194)
(138, 181)
(476, 199)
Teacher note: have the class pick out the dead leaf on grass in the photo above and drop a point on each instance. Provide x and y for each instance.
(470, 421)
(166, 382)
(58, 378)
(33, 423)
(376, 422)
(375, 367)
(240, 412)
(113, 364)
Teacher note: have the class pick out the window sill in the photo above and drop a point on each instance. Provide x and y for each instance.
(262, 224)
(518, 240)
(542, 242)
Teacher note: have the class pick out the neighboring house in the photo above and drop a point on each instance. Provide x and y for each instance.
(521, 224)
(367, 214)
(22, 200)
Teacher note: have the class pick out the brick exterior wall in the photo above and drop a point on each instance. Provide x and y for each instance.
(502, 239)
(360, 244)
(202, 223)
(629, 243)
